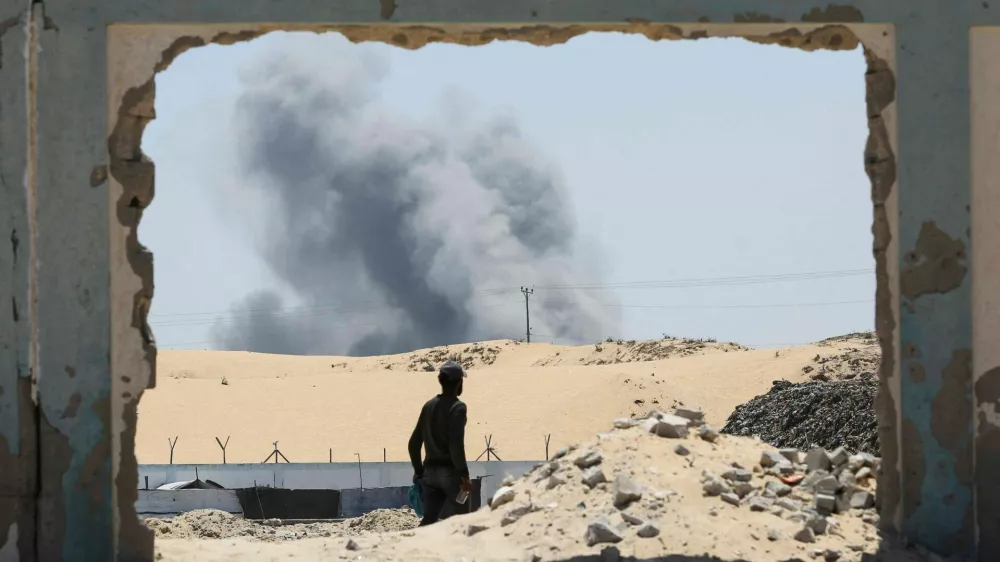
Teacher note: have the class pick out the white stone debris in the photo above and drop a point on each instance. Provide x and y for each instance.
(670, 426)
(817, 459)
(648, 530)
(593, 476)
(624, 423)
(475, 529)
(632, 519)
(696, 416)
(738, 475)
(600, 531)
(554, 481)
(625, 491)
(707, 433)
(826, 503)
(771, 458)
(779, 489)
(588, 459)
(838, 456)
(806, 535)
(793, 456)
(516, 513)
(503, 496)
(714, 486)
(862, 499)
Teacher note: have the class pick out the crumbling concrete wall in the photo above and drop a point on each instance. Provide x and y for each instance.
(985, 208)
(77, 90)
(18, 444)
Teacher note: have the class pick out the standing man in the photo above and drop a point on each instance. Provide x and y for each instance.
(440, 431)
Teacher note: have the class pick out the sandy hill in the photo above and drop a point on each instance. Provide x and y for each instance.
(517, 392)
(660, 488)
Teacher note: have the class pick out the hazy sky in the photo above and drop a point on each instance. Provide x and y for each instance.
(699, 160)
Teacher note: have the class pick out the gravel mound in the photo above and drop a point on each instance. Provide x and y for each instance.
(826, 414)
(204, 524)
(215, 524)
(470, 357)
(614, 352)
(859, 356)
(385, 521)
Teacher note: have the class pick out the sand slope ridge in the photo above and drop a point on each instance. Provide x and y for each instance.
(662, 485)
(517, 392)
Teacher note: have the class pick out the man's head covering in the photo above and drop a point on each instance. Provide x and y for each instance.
(452, 371)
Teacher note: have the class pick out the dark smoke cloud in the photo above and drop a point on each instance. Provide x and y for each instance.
(408, 226)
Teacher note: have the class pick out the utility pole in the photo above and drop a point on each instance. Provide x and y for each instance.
(527, 315)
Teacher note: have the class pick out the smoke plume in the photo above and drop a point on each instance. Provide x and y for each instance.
(394, 234)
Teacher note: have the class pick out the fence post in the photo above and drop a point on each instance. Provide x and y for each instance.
(223, 447)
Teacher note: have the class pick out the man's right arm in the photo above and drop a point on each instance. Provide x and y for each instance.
(416, 442)
(456, 438)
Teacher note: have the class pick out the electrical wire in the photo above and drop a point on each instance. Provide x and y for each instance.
(197, 318)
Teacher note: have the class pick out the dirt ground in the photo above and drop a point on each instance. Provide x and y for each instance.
(634, 492)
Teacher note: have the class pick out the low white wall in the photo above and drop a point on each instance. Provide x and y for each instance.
(170, 502)
(321, 476)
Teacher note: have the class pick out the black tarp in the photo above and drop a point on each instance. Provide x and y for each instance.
(279, 503)
(195, 484)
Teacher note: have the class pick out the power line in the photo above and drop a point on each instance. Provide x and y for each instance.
(661, 284)
(685, 307)
(279, 313)
(711, 307)
(715, 281)
(237, 318)
(486, 292)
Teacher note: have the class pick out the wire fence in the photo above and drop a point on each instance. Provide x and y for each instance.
(491, 452)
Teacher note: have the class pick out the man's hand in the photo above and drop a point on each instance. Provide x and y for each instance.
(466, 484)
(417, 477)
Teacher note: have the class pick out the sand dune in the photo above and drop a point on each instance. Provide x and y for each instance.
(517, 392)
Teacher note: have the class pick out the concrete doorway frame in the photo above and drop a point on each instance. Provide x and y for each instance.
(76, 91)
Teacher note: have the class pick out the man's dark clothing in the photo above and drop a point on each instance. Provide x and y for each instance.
(440, 430)
(440, 487)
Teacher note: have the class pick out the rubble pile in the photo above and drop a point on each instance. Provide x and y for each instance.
(861, 360)
(470, 356)
(215, 524)
(809, 489)
(828, 414)
(802, 498)
(665, 484)
(613, 352)
(384, 521)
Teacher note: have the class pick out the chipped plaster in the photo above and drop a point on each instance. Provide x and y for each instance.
(137, 52)
(18, 450)
(985, 201)
(83, 63)
(984, 233)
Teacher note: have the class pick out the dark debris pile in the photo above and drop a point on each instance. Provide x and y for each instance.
(804, 415)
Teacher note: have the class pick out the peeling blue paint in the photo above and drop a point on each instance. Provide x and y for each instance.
(934, 179)
(13, 219)
(944, 500)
